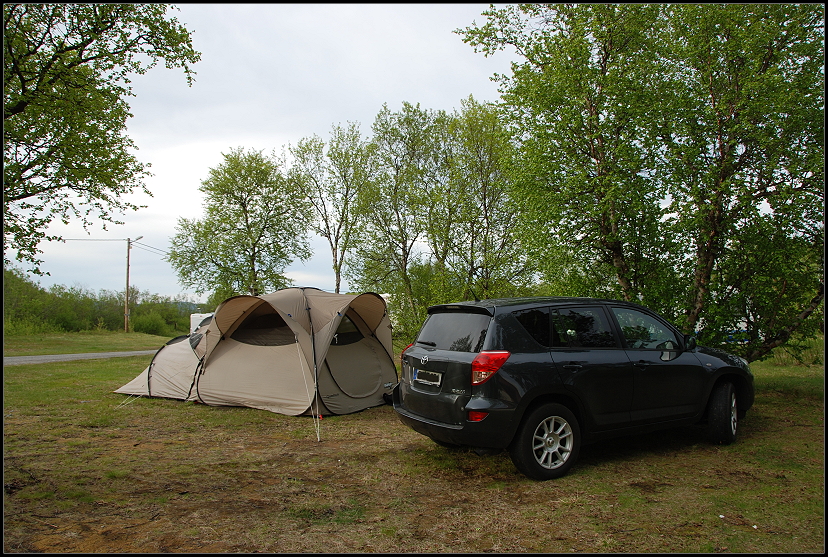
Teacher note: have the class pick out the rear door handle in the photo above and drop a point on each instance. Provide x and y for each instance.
(572, 366)
(641, 363)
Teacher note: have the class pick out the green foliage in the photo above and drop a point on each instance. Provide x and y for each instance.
(331, 180)
(438, 217)
(580, 102)
(29, 309)
(150, 323)
(66, 73)
(71, 308)
(255, 224)
(744, 166)
(673, 155)
(24, 304)
(389, 205)
(479, 240)
(27, 326)
(173, 312)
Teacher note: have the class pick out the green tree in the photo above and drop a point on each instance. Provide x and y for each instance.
(743, 136)
(676, 144)
(439, 210)
(439, 221)
(24, 304)
(485, 252)
(255, 224)
(390, 205)
(66, 73)
(332, 181)
(579, 103)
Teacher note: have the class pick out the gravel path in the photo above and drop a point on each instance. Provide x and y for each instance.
(19, 360)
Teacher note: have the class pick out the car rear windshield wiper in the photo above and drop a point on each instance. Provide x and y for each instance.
(427, 342)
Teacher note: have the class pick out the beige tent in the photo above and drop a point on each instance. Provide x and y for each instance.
(295, 351)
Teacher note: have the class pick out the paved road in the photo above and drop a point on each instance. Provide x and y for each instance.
(18, 360)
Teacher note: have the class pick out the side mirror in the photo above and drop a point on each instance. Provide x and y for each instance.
(689, 342)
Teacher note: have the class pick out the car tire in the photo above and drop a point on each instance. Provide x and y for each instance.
(722, 415)
(547, 443)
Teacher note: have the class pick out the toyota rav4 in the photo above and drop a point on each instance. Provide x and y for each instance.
(542, 376)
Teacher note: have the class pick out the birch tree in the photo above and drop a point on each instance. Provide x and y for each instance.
(332, 179)
(255, 224)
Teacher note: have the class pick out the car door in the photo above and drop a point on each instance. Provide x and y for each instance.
(669, 381)
(591, 362)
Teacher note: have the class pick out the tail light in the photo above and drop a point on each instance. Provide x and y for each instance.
(486, 364)
(477, 416)
(402, 363)
(404, 349)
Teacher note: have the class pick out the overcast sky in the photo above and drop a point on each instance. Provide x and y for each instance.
(269, 76)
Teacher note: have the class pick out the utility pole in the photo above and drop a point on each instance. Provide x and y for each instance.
(126, 292)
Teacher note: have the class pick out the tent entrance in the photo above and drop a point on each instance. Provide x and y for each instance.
(354, 368)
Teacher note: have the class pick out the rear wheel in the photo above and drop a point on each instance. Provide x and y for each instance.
(722, 415)
(547, 444)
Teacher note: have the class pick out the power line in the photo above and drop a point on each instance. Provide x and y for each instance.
(144, 246)
(130, 243)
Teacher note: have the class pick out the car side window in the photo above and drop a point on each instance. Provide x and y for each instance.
(581, 328)
(642, 331)
(536, 323)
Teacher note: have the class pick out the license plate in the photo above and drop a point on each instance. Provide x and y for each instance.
(427, 377)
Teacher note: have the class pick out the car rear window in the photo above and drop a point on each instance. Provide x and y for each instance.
(455, 331)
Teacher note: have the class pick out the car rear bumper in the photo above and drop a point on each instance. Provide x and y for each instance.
(494, 431)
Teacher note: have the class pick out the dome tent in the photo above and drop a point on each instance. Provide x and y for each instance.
(295, 351)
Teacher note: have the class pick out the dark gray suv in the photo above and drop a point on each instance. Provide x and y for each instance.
(541, 376)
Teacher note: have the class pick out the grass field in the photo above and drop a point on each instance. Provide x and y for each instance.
(79, 343)
(88, 470)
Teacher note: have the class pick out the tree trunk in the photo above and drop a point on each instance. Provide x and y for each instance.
(785, 334)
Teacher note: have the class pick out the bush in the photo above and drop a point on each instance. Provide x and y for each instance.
(28, 308)
(150, 323)
(24, 300)
(14, 327)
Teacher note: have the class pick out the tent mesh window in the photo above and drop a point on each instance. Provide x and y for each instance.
(346, 333)
(264, 329)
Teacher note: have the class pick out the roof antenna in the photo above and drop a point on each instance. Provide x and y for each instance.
(476, 299)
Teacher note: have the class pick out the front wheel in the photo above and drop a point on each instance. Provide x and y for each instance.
(547, 444)
(722, 415)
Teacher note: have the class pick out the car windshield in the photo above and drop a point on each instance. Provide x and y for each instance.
(455, 331)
